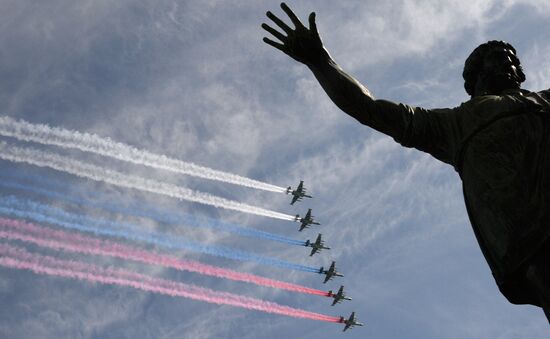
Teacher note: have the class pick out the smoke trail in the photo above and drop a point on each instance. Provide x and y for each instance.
(71, 242)
(19, 258)
(93, 143)
(65, 164)
(45, 214)
(157, 215)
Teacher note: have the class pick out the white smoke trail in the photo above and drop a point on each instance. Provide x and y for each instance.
(93, 143)
(61, 163)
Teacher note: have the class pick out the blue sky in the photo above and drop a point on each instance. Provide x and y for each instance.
(193, 80)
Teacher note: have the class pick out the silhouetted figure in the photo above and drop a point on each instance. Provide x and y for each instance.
(498, 142)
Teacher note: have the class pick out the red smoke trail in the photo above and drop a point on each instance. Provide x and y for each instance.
(61, 240)
(17, 257)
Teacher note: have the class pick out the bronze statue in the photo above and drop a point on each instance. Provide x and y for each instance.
(498, 142)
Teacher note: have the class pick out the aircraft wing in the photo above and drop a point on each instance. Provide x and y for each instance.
(294, 199)
(313, 251)
(318, 241)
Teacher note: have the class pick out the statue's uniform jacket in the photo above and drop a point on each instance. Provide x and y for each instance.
(500, 146)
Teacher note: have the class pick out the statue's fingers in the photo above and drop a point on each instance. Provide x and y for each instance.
(295, 20)
(279, 22)
(274, 32)
(277, 45)
(312, 24)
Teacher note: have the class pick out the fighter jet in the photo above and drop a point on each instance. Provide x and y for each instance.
(330, 273)
(306, 221)
(316, 246)
(339, 296)
(350, 322)
(298, 193)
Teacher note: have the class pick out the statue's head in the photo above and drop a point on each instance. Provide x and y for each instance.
(491, 68)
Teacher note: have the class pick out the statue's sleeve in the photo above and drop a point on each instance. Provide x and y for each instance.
(434, 131)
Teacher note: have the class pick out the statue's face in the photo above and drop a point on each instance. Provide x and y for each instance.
(498, 72)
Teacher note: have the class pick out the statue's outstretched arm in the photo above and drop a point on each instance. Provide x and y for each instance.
(305, 45)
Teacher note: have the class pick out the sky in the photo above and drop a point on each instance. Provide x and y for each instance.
(193, 80)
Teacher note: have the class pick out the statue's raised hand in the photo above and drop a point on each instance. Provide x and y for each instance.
(301, 44)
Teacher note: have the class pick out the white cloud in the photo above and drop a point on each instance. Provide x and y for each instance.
(537, 67)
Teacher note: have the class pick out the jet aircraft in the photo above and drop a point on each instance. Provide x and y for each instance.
(330, 273)
(306, 221)
(339, 296)
(316, 246)
(350, 322)
(298, 193)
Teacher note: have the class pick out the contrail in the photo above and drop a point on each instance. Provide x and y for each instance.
(93, 143)
(72, 242)
(19, 258)
(166, 217)
(44, 214)
(65, 164)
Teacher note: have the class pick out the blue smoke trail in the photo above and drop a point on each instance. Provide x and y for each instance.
(28, 209)
(160, 216)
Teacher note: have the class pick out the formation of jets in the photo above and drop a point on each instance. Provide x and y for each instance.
(339, 296)
(297, 195)
(350, 322)
(316, 246)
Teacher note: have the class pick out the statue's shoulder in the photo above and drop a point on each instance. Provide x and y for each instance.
(483, 105)
(511, 101)
(545, 95)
